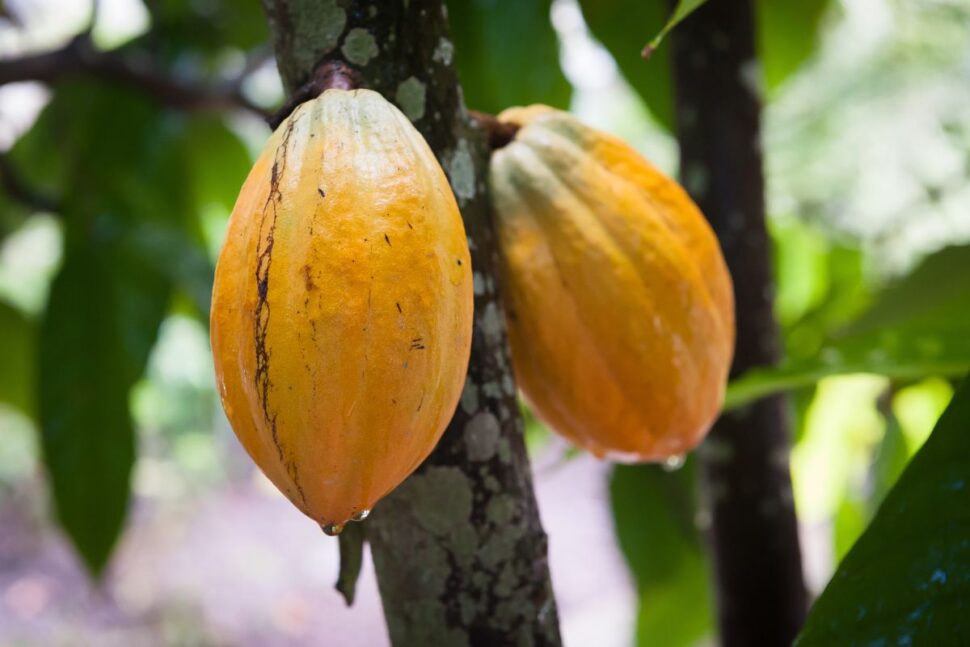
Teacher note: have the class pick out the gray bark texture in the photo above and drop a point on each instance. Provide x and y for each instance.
(459, 550)
(754, 532)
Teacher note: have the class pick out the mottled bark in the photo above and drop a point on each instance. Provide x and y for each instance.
(458, 548)
(760, 590)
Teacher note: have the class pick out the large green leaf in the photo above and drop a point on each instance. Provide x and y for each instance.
(624, 26)
(17, 375)
(101, 321)
(654, 511)
(506, 52)
(110, 150)
(131, 234)
(914, 327)
(906, 581)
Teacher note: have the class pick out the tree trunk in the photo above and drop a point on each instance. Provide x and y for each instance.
(754, 532)
(459, 551)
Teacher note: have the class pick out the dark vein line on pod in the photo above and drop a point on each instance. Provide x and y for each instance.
(265, 243)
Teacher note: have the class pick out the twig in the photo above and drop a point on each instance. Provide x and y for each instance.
(500, 133)
(14, 186)
(332, 74)
(79, 57)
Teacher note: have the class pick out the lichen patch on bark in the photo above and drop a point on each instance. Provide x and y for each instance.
(411, 97)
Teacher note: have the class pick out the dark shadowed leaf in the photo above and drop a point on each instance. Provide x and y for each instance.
(906, 581)
(207, 28)
(654, 511)
(108, 150)
(131, 235)
(101, 321)
(506, 52)
(17, 378)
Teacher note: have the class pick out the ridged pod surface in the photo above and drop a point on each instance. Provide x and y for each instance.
(342, 308)
(620, 306)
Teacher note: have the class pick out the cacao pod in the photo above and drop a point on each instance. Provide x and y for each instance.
(342, 308)
(620, 308)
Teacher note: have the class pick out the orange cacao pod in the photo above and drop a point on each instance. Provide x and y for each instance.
(619, 304)
(342, 308)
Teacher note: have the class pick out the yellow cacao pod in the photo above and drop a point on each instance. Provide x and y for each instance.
(342, 308)
(620, 307)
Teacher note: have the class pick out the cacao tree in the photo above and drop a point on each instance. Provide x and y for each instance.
(139, 152)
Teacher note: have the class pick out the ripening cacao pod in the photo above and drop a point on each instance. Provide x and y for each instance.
(620, 308)
(342, 308)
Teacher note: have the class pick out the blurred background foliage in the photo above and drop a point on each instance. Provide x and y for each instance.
(115, 198)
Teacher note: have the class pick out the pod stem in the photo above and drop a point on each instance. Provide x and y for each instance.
(499, 133)
(328, 75)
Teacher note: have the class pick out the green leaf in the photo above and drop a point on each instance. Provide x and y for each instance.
(101, 321)
(506, 52)
(914, 327)
(208, 28)
(132, 233)
(907, 579)
(654, 512)
(17, 376)
(218, 160)
(683, 9)
(110, 150)
(623, 27)
(787, 35)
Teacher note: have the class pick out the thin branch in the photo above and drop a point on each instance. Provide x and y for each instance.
(15, 187)
(79, 57)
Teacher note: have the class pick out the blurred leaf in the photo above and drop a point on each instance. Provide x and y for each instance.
(928, 289)
(17, 358)
(122, 166)
(914, 327)
(177, 256)
(654, 513)
(890, 459)
(801, 268)
(623, 26)
(850, 521)
(101, 321)
(351, 559)
(506, 52)
(180, 27)
(907, 579)
(218, 161)
(787, 35)
(683, 9)
(110, 150)
(842, 427)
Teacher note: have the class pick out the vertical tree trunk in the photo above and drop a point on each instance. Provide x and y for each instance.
(761, 594)
(459, 551)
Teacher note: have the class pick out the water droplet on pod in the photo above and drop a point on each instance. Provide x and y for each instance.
(332, 529)
(360, 516)
(673, 463)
